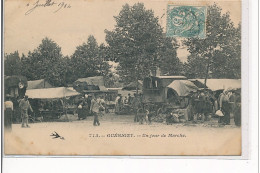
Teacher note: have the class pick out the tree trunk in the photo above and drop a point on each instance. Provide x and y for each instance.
(207, 73)
(136, 86)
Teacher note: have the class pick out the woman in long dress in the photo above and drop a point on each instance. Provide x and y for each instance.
(8, 113)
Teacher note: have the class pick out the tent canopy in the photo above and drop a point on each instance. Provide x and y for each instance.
(183, 87)
(51, 93)
(37, 84)
(221, 84)
(132, 86)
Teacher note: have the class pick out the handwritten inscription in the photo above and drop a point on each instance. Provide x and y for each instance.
(45, 4)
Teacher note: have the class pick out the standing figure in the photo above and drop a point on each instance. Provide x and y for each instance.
(8, 113)
(129, 99)
(117, 106)
(237, 109)
(202, 105)
(24, 106)
(94, 108)
(102, 105)
(225, 108)
(196, 106)
(136, 105)
(207, 105)
(191, 105)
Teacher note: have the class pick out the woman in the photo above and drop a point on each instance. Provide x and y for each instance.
(225, 108)
(8, 112)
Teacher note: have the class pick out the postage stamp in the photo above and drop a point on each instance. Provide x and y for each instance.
(186, 21)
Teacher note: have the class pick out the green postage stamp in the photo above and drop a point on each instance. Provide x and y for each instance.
(186, 21)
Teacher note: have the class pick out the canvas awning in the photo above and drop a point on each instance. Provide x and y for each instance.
(37, 84)
(51, 93)
(222, 84)
(183, 87)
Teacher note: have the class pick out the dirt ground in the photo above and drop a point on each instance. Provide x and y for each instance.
(120, 135)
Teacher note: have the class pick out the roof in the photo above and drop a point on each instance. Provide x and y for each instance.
(96, 80)
(183, 87)
(14, 81)
(221, 84)
(132, 86)
(37, 84)
(171, 77)
(198, 83)
(51, 93)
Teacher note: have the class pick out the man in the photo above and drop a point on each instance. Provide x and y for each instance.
(207, 105)
(117, 104)
(237, 108)
(102, 105)
(129, 99)
(191, 105)
(94, 108)
(8, 113)
(202, 106)
(24, 106)
(136, 105)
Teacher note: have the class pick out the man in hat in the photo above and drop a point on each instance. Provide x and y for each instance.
(94, 108)
(24, 106)
(8, 113)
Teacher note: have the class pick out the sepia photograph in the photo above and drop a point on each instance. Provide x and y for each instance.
(122, 78)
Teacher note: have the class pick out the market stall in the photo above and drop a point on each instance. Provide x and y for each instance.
(51, 103)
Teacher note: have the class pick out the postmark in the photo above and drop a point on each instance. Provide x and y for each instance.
(186, 21)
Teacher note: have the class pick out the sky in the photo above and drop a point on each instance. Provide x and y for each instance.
(70, 27)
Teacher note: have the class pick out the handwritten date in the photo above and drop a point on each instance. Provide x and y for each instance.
(47, 3)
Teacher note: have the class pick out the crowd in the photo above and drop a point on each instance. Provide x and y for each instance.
(200, 106)
(205, 103)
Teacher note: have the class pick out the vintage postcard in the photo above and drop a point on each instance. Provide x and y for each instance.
(122, 78)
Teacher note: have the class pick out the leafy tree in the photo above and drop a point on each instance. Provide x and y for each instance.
(195, 67)
(220, 51)
(138, 43)
(89, 60)
(45, 62)
(12, 64)
(168, 62)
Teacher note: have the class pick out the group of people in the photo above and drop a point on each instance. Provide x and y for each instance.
(128, 103)
(200, 105)
(91, 105)
(204, 103)
(24, 106)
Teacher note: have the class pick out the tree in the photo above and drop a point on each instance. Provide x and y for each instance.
(137, 43)
(12, 64)
(45, 62)
(89, 60)
(195, 67)
(220, 50)
(168, 62)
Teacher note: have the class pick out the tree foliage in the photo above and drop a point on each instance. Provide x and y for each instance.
(221, 48)
(168, 61)
(45, 62)
(89, 59)
(12, 64)
(137, 42)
